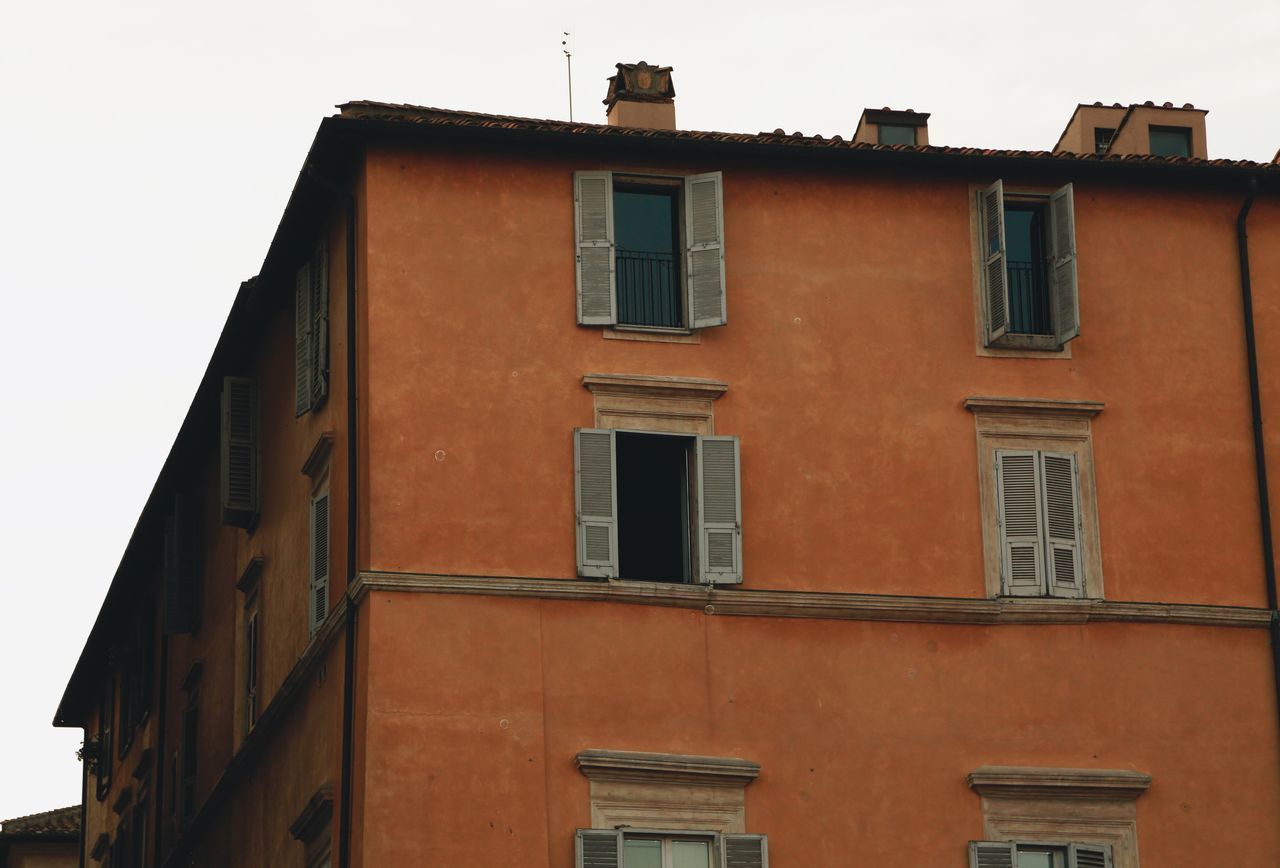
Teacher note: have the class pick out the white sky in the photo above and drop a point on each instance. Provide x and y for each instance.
(149, 148)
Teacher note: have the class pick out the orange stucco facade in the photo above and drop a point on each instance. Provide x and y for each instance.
(862, 662)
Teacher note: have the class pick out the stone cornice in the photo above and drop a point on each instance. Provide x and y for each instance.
(666, 768)
(1053, 783)
(636, 384)
(1033, 406)
(812, 604)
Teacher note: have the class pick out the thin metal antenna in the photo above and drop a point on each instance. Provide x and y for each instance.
(568, 62)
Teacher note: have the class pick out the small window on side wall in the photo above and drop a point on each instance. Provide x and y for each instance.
(650, 250)
(1028, 268)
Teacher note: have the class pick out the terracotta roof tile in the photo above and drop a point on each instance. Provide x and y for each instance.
(58, 823)
(437, 117)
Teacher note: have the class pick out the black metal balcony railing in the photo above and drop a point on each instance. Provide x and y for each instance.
(648, 289)
(1029, 311)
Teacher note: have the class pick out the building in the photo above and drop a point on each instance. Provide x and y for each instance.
(561, 491)
(46, 840)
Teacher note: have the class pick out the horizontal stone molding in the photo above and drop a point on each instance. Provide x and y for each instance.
(821, 605)
(1029, 406)
(647, 386)
(639, 767)
(1055, 783)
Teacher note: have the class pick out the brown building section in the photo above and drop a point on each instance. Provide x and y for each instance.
(50, 839)
(562, 491)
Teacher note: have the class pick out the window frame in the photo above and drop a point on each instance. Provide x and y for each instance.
(1153, 129)
(668, 837)
(1012, 344)
(1044, 425)
(675, 186)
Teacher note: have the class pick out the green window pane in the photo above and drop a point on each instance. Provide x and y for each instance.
(897, 134)
(690, 854)
(1170, 141)
(643, 853)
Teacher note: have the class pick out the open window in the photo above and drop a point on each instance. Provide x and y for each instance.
(658, 507)
(606, 848)
(1030, 295)
(650, 250)
(1030, 854)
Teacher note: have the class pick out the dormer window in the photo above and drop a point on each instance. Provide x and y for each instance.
(1102, 137)
(1170, 141)
(897, 134)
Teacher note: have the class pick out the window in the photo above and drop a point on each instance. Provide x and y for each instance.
(106, 715)
(658, 507)
(183, 588)
(604, 848)
(239, 452)
(1028, 273)
(1102, 137)
(251, 666)
(650, 250)
(1021, 854)
(1170, 141)
(1039, 504)
(319, 574)
(896, 134)
(311, 331)
(190, 751)
(138, 843)
(135, 677)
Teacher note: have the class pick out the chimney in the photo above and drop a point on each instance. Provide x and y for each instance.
(887, 126)
(641, 95)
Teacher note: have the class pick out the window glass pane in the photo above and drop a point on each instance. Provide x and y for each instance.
(897, 134)
(1171, 141)
(1024, 238)
(690, 854)
(1041, 857)
(642, 853)
(645, 225)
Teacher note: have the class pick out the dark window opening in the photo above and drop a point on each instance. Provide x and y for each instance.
(1170, 141)
(653, 507)
(897, 134)
(190, 746)
(1025, 232)
(646, 224)
(1102, 137)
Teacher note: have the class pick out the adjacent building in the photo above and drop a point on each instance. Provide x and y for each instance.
(49, 839)
(563, 493)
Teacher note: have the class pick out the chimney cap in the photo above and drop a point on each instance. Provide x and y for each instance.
(640, 82)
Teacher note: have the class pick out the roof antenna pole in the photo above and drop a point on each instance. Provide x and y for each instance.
(568, 62)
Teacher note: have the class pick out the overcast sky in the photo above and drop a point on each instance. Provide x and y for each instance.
(149, 149)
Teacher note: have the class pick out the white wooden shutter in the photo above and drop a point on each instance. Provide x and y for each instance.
(704, 253)
(1021, 533)
(995, 278)
(596, 501)
(992, 854)
(1062, 240)
(1089, 856)
(1062, 523)
(744, 851)
(240, 469)
(599, 848)
(593, 220)
(319, 324)
(319, 600)
(302, 340)
(719, 511)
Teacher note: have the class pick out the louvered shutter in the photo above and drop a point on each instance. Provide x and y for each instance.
(744, 851)
(319, 375)
(1066, 296)
(1018, 496)
(995, 278)
(992, 854)
(240, 476)
(599, 848)
(319, 560)
(719, 511)
(596, 501)
(1089, 856)
(1062, 523)
(593, 221)
(302, 340)
(704, 255)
